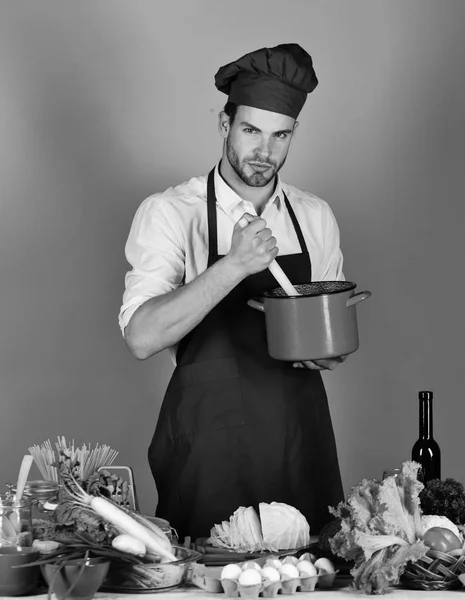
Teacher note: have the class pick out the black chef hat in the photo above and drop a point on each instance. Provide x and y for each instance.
(276, 79)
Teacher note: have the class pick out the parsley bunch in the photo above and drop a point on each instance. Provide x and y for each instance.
(444, 497)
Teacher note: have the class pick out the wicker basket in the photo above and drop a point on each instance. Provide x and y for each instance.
(435, 571)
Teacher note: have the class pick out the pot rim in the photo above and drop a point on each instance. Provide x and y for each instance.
(351, 286)
(192, 556)
(18, 551)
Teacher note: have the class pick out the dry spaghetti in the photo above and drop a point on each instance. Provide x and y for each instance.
(89, 459)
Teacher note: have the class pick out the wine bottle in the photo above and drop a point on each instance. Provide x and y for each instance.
(426, 450)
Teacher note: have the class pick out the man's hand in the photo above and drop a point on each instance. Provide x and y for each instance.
(324, 364)
(253, 247)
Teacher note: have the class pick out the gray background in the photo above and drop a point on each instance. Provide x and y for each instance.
(105, 102)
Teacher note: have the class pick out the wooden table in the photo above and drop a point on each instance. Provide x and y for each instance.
(340, 591)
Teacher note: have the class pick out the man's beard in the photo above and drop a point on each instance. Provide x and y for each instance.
(256, 178)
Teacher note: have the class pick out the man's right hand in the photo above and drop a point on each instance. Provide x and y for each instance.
(164, 320)
(253, 246)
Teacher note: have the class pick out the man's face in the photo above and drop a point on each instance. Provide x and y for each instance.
(257, 144)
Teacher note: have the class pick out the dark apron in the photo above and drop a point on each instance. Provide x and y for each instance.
(236, 426)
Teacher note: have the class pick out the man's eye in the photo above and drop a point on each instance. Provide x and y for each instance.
(249, 130)
(281, 136)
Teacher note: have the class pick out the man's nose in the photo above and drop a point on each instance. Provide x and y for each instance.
(264, 147)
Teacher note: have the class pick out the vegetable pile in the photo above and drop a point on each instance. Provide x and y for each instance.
(141, 535)
(381, 529)
(93, 521)
(140, 572)
(279, 527)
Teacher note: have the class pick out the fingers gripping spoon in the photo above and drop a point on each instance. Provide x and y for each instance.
(276, 270)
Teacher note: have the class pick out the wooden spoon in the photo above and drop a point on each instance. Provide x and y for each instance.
(283, 279)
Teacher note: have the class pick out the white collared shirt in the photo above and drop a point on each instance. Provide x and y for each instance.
(169, 236)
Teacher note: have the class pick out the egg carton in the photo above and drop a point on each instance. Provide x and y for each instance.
(267, 589)
(210, 581)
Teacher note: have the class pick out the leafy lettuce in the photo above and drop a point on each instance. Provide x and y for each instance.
(381, 529)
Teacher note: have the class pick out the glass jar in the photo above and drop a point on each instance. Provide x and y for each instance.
(391, 473)
(39, 493)
(15, 521)
(164, 525)
(396, 472)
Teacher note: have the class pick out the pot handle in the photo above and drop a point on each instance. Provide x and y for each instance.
(356, 298)
(255, 303)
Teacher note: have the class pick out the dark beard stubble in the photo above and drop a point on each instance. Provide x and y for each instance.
(256, 179)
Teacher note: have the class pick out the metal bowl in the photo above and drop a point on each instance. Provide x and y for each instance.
(152, 576)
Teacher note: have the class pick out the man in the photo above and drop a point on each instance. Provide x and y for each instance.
(236, 427)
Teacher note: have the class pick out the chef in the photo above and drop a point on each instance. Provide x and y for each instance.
(236, 426)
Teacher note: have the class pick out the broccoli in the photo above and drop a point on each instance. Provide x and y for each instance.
(444, 497)
(43, 529)
(328, 531)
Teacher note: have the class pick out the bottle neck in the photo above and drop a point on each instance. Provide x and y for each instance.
(426, 418)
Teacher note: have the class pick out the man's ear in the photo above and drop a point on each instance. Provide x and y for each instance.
(224, 124)
(294, 130)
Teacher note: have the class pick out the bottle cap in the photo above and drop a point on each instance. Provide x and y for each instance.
(425, 395)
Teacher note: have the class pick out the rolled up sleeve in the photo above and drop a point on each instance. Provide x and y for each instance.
(155, 252)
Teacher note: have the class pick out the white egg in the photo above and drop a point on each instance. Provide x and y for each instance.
(306, 568)
(250, 577)
(308, 556)
(231, 572)
(271, 574)
(324, 564)
(290, 571)
(251, 565)
(290, 560)
(274, 562)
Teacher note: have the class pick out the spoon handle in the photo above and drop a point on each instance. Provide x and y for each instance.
(282, 279)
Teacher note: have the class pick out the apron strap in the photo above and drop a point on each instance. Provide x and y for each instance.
(295, 222)
(212, 226)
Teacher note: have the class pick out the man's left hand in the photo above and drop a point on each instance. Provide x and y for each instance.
(323, 364)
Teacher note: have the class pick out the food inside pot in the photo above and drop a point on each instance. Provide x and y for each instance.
(316, 288)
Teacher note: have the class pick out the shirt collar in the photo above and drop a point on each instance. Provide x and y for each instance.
(229, 200)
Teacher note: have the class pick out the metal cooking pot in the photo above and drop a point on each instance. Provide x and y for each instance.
(319, 323)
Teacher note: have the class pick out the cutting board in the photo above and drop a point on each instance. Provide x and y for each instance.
(213, 556)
